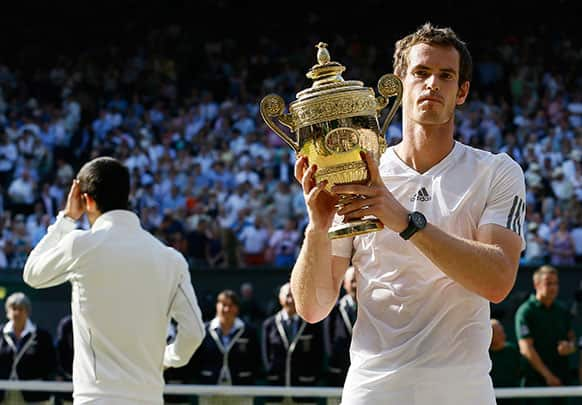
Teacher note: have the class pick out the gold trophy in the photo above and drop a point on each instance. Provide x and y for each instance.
(333, 121)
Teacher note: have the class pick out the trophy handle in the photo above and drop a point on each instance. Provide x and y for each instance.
(389, 85)
(272, 106)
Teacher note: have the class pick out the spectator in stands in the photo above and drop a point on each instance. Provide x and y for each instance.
(571, 165)
(506, 362)
(219, 174)
(9, 251)
(247, 174)
(174, 200)
(198, 245)
(284, 245)
(21, 193)
(228, 355)
(562, 187)
(292, 349)
(8, 157)
(543, 327)
(49, 203)
(22, 242)
(2, 200)
(561, 245)
(236, 201)
(35, 223)
(64, 171)
(576, 234)
(338, 328)
(512, 148)
(535, 249)
(78, 109)
(254, 239)
(3, 257)
(283, 201)
(258, 201)
(26, 352)
(215, 253)
(284, 169)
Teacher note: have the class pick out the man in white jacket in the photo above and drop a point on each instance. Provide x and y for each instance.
(126, 286)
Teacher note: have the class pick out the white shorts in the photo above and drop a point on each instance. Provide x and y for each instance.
(444, 389)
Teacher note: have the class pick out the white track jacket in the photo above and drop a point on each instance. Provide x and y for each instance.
(126, 286)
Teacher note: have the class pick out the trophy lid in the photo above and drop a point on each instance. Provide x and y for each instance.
(327, 76)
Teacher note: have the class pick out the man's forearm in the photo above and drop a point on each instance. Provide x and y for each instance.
(532, 356)
(313, 284)
(479, 267)
(47, 263)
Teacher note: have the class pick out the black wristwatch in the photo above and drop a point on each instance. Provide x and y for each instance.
(416, 222)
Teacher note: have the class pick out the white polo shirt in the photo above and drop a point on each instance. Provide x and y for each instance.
(418, 331)
(126, 285)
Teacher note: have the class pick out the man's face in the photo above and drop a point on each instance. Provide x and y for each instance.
(286, 299)
(431, 84)
(226, 310)
(547, 287)
(17, 314)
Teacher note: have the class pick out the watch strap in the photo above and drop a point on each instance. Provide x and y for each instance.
(412, 227)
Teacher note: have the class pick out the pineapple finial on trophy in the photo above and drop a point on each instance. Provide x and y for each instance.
(323, 56)
(325, 71)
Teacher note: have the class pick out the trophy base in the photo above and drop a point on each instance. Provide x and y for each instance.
(354, 228)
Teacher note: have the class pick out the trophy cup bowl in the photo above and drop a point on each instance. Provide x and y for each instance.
(331, 123)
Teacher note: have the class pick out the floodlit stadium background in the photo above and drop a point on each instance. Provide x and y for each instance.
(183, 60)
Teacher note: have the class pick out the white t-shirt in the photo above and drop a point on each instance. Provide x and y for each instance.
(414, 323)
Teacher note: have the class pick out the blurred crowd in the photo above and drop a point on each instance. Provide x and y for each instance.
(212, 180)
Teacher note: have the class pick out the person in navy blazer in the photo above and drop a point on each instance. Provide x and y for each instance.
(292, 349)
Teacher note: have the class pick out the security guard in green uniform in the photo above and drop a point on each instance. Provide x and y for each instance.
(544, 332)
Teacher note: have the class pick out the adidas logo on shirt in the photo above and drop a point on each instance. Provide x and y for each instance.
(421, 195)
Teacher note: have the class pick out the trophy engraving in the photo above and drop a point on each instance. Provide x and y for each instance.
(341, 140)
(332, 122)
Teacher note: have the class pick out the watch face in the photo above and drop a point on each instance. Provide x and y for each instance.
(418, 219)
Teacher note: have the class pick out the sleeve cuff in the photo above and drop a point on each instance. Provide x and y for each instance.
(168, 357)
(66, 224)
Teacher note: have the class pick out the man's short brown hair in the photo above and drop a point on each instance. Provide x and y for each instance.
(431, 35)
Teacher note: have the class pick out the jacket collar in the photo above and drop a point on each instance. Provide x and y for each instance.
(116, 217)
(29, 327)
(348, 300)
(537, 303)
(215, 324)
